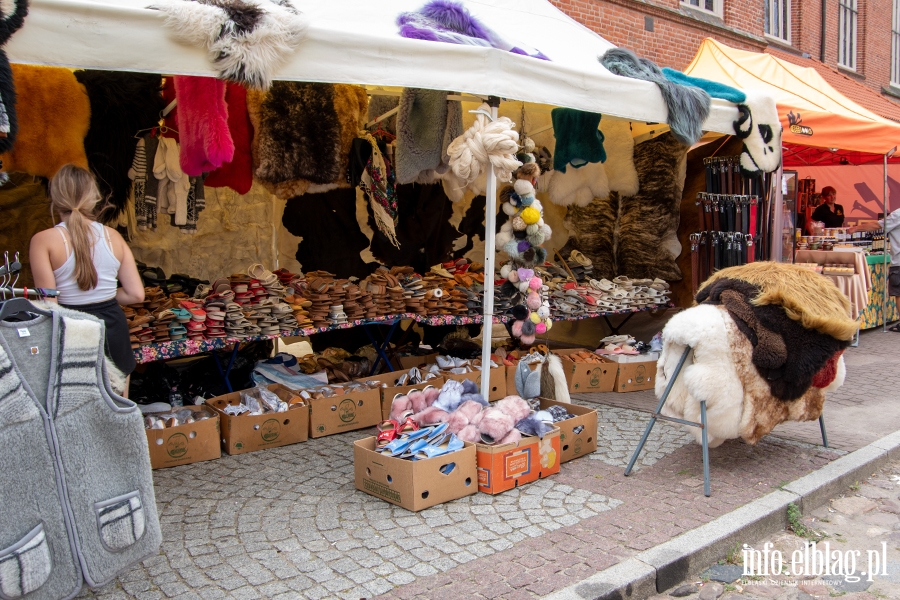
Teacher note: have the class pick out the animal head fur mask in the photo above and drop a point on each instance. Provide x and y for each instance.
(759, 127)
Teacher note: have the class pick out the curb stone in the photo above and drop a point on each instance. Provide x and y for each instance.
(661, 567)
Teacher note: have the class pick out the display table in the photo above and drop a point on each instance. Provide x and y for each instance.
(873, 316)
(856, 287)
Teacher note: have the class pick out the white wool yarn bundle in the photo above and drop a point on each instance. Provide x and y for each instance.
(485, 142)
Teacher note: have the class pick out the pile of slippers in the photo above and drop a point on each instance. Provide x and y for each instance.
(467, 414)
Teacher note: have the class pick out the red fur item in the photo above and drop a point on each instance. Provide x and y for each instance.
(237, 174)
(202, 124)
(827, 373)
(515, 407)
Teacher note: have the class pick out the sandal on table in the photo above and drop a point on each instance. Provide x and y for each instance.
(387, 432)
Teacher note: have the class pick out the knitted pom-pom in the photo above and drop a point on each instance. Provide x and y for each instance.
(527, 339)
(515, 199)
(527, 200)
(504, 270)
(518, 223)
(543, 312)
(528, 145)
(519, 312)
(512, 248)
(530, 215)
(523, 286)
(525, 274)
(548, 324)
(509, 208)
(534, 318)
(533, 301)
(535, 283)
(537, 239)
(517, 328)
(540, 329)
(532, 229)
(536, 205)
(523, 187)
(513, 276)
(502, 238)
(545, 229)
(524, 245)
(527, 328)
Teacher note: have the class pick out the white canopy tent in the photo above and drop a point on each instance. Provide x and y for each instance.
(357, 42)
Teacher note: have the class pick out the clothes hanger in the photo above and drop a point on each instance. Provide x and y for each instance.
(16, 305)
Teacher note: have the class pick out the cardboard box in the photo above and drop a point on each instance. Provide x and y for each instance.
(388, 393)
(587, 377)
(574, 445)
(246, 433)
(502, 468)
(414, 485)
(337, 414)
(408, 362)
(498, 381)
(185, 444)
(636, 376)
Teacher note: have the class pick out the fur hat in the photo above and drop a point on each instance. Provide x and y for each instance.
(202, 124)
(121, 104)
(53, 120)
(236, 174)
(246, 41)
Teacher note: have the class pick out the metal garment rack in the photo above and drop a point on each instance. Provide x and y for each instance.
(702, 425)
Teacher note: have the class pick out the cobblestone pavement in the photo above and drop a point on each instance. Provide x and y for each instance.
(288, 522)
(859, 520)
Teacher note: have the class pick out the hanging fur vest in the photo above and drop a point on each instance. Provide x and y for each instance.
(77, 489)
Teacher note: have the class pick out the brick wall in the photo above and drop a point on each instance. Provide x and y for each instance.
(677, 31)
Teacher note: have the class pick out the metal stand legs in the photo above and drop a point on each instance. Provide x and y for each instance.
(702, 425)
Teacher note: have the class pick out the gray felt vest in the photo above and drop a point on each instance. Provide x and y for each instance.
(76, 490)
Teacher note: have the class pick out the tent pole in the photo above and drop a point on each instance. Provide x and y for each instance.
(884, 252)
(490, 256)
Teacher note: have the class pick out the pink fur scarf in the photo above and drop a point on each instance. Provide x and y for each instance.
(206, 142)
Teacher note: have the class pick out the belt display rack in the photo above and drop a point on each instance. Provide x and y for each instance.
(729, 215)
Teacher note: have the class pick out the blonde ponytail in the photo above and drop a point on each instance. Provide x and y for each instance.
(74, 194)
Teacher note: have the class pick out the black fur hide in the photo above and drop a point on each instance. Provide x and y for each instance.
(593, 232)
(332, 239)
(786, 354)
(8, 96)
(423, 229)
(121, 104)
(300, 134)
(472, 224)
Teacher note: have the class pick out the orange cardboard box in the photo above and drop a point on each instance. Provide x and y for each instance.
(248, 433)
(347, 412)
(498, 381)
(501, 468)
(587, 377)
(636, 376)
(185, 444)
(414, 485)
(574, 444)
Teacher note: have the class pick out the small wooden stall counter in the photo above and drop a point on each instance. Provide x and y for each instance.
(856, 287)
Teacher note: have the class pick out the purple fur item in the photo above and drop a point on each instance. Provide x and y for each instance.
(469, 387)
(476, 397)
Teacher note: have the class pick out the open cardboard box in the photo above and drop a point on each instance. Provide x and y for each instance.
(572, 444)
(587, 377)
(502, 468)
(388, 393)
(414, 485)
(248, 433)
(185, 444)
(634, 376)
(345, 412)
(498, 381)
(408, 362)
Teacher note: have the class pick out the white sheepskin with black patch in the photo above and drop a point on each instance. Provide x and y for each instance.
(760, 129)
(619, 166)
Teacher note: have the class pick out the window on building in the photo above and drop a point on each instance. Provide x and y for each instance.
(778, 19)
(710, 6)
(847, 33)
(895, 45)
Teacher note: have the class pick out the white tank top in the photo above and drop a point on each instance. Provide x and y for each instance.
(105, 262)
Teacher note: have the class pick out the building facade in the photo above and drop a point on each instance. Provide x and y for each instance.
(854, 39)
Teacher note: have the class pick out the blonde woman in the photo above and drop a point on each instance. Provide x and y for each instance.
(86, 261)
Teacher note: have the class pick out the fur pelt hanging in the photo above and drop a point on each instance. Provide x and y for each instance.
(451, 22)
(547, 380)
(54, 117)
(238, 173)
(303, 135)
(578, 186)
(246, 40)
(720, 371)
(592, 231)
(426, 124)
(579, 140)
(378, 105)
(618, 141)
(759, 127)
(121, 104)
(688, 106)
(202, 124)
(647, 233)
(787, 355)
(12, 16)
(713, 88)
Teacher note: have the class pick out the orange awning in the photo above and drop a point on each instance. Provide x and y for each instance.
(812, 112)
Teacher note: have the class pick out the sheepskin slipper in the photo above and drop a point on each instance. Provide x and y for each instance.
(400, 405)
(431, 416)
(470, 433)
(53, 121)
(513, 437)
(431, 395)
(418, 401)
(450, 396)
(579, 186)
(494, 425)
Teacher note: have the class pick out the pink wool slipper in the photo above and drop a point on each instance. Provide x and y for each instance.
(511, 438)
(470, 433)
(494, 425)
(515, 407)
(431, 416)
(418, 401)
(400, 405)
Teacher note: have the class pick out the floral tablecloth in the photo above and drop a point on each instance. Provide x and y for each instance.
(148, 353)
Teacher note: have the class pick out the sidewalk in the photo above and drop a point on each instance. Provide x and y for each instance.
(288, 522)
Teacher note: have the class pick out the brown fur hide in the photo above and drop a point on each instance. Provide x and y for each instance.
(812, 300)
(54, 116)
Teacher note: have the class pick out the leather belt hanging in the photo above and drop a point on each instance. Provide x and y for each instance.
(695, 262)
